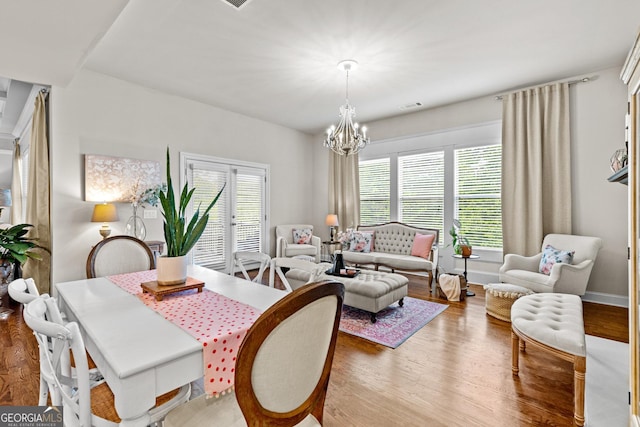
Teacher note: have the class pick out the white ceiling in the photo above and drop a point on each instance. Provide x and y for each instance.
(276, 59)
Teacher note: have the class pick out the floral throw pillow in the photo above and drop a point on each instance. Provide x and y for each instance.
(361, 241)
(551, 256)
(302, 236)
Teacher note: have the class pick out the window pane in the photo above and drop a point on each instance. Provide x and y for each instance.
(477, 194)
(421, 190)
(249, 212)
(210, 249)
(374, 191)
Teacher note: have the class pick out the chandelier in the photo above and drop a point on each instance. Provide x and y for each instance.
(346, 139)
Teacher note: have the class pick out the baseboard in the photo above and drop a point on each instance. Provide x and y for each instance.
(607, 299)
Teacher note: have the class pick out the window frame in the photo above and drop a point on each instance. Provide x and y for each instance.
(447, 140)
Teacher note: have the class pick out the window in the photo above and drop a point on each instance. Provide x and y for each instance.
(431, 179)
(421, 190)
(477, 194)
(375, 187)
(238, 221)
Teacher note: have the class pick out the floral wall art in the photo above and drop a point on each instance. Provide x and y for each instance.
(118, 179)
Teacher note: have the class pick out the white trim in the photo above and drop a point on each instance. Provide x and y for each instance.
(607, 299)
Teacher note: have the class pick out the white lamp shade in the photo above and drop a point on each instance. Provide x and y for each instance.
(332, 220)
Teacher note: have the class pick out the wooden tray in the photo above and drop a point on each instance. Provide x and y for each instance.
(159, 291)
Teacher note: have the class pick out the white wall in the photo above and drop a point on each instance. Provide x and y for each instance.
(97, 114)
(599, 207)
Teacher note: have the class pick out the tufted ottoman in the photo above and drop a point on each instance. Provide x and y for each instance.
(499, 297)
(370, 290)
(552, 322)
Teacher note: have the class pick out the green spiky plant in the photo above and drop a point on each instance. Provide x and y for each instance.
(179, 235)
(15, 246)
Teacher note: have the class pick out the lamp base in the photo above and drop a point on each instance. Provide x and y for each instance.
(105, 231)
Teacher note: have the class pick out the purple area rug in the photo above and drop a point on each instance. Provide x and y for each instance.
(395, 324)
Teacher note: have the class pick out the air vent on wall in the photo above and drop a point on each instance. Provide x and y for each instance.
(411, 106)
(236, 3)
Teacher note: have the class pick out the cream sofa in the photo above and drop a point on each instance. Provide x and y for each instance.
(392, 243)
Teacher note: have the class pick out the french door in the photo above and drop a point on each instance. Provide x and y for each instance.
(238, 221)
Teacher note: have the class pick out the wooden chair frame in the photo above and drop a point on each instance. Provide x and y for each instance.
(91, 272)
(253, 411)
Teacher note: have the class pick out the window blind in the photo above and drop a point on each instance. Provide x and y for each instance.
(421, 190)
(249, 212)
(477, 194)
(375, 191)
(209, 251)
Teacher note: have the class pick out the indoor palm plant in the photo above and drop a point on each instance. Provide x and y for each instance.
(15, 247)
(180, 235)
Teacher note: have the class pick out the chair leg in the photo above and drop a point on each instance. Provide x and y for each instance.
(579, 369)
(515, 353)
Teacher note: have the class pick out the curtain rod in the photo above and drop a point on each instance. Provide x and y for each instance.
(570, 82)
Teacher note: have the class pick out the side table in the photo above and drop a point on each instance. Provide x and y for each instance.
(465, 258)
(328, 248)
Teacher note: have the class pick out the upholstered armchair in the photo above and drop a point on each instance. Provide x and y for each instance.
(568, 278)
(287, 247)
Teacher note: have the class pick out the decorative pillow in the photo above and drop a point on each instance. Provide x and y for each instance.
(361, 241)
(551, 256)
(302, 236)
(422, 245)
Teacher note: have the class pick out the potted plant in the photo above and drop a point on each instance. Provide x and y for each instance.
(460, 243)
(180, 235)
(15, 247)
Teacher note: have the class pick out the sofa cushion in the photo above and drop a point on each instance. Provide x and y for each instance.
(551, 256)
(390, 260)
(422, 245)
(537, 282)
(292, 250)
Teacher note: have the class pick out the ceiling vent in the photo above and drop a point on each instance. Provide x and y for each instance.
(238, 4)
(411, 106)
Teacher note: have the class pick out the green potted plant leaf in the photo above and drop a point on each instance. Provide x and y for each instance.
(15, 247)
(180, 235)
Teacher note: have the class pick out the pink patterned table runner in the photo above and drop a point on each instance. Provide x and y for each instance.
(216, 321)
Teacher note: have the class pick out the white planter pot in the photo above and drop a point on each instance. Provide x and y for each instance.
(172, 270)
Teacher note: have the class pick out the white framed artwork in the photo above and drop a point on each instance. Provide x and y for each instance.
(118, 179)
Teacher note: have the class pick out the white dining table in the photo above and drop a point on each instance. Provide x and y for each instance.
(141, 354)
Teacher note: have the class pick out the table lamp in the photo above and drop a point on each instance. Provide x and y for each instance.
(104, 212)
(332, 222)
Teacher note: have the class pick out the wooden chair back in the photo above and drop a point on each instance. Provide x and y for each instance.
(119, 255)
(284, 362)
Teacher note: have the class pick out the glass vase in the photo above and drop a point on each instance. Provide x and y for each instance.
(135, 226)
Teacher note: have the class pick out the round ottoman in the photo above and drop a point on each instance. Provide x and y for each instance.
(500, 296)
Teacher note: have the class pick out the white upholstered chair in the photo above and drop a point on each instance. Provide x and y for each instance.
(119, 255)
(287, 248)
(563, 278)
(249, 257)
(85, 403)
(282, 367)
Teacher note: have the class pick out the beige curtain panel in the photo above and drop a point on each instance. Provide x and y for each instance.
(536, 167)
(344, 189)
(38, 213)
(16, 185)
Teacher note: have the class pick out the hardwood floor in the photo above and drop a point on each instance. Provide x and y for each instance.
(455, 371)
